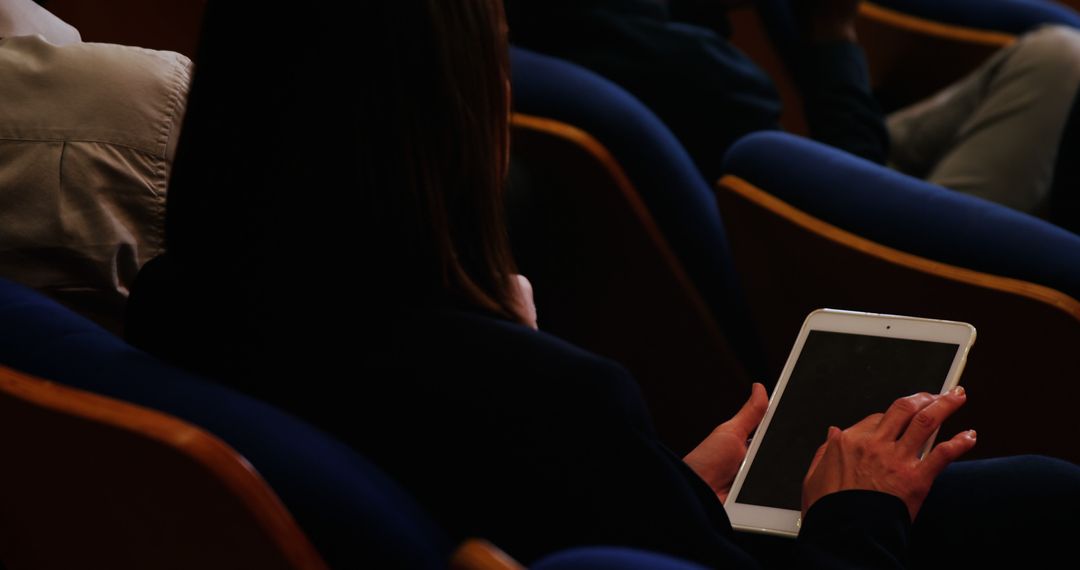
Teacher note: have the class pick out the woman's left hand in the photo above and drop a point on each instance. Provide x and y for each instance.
(717, 459)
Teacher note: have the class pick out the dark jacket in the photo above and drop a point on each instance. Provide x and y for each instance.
(516, 436)
(708, 92)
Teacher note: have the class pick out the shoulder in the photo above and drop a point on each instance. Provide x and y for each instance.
(495, 360)
(34, 54)
(501, 341)
(107, 93)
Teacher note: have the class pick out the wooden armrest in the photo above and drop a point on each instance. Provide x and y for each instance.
(478, 554)
(898, 46)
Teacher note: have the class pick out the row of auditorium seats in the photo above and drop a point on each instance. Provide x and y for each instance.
(133, 464)
(592, 169)
(805, 227)
(901, 38)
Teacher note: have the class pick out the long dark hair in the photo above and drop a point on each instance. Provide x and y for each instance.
(289, 177)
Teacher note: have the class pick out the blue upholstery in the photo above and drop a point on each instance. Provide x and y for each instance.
(663, 173)
(908, 214)
(676, 194)
(355, 516)
(610, 558)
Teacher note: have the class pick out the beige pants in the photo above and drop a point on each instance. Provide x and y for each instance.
(995, 133)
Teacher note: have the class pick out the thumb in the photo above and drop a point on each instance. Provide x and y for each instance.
(752, 412)
(821, 450)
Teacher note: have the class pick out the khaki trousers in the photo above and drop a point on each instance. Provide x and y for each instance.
(995, 133)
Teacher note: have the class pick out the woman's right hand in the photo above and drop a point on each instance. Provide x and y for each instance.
(881, 453)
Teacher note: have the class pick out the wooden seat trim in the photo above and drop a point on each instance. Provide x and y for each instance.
(935, 29)
(784, 210)
(479, 554)
(231, 469)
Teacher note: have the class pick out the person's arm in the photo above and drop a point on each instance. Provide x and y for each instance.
(865, 484)
(830, 70)
(707, 13)
(825, 61)
(717, 459)
(556, 453)
(854, 529)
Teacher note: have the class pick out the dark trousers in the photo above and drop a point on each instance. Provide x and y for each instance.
(1021, 512)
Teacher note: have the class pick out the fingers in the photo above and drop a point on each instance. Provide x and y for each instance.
(869, 423)
(900, 413)
(749, 417)
(948, 451)
(929, 419)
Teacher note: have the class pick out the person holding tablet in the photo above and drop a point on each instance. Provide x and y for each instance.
(292, 178)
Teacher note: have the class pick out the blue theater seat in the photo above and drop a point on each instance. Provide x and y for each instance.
(621, 234)
(677, 196)
(1012, 17)
(1007, 16)
(814, 227)
(906, 213)
(354, 514)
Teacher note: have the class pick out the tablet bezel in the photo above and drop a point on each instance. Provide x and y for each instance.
(784, 522)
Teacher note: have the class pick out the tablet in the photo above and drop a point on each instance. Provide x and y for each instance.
(844, 367)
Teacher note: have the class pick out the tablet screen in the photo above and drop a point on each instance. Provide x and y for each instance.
(839, 379)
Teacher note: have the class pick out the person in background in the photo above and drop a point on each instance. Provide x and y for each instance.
(336, 246)
(87, 136)
(995, 134)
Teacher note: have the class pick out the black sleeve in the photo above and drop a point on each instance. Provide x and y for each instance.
(854, 529)
(703, 88)
(832, 78)
(651, 499)
(585, 468)
(840, 109)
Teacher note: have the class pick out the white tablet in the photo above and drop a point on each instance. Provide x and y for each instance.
(844, 367)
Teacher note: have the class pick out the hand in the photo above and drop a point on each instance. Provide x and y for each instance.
(824, 21)
(881, 453)
(523, 299)
(717, 459)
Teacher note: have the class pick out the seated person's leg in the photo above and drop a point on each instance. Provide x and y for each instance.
(981, 514)
(996, 133)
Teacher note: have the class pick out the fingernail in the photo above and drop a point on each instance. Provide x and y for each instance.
(971, 434)
(958, 391)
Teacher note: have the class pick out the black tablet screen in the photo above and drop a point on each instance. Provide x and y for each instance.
(839, 379)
